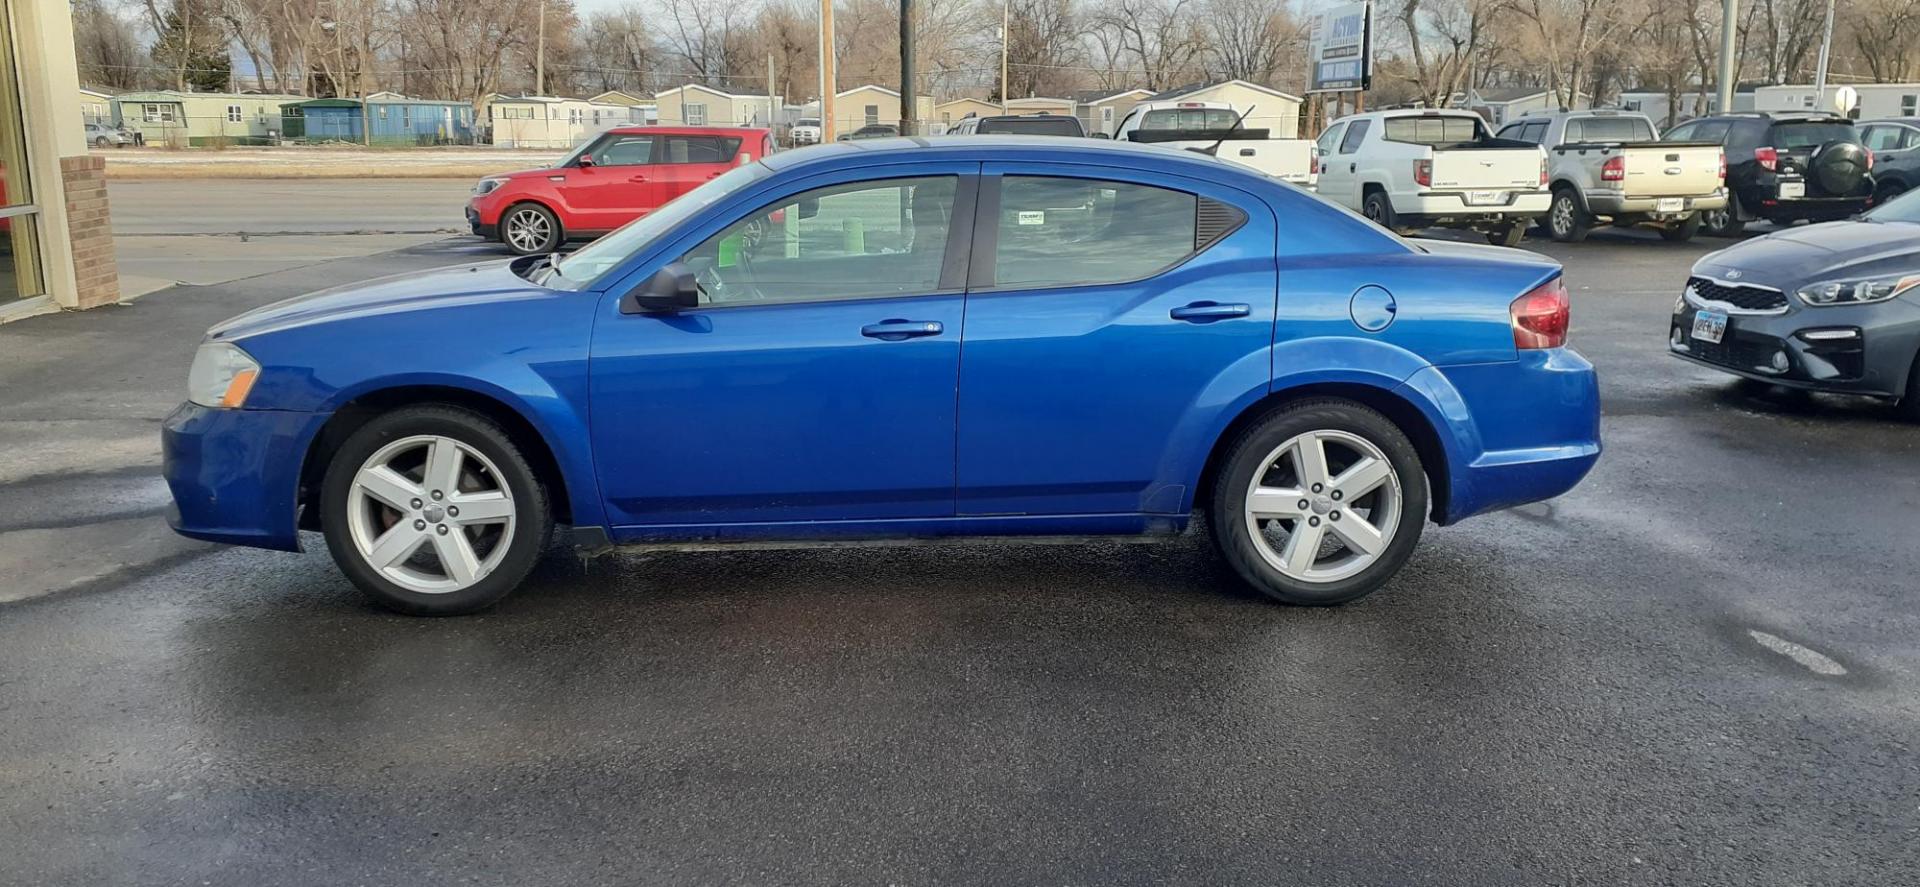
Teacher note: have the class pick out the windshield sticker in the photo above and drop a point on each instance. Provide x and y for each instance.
(1033, 217)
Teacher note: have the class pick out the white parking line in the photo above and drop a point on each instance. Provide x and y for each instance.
(1812, 660)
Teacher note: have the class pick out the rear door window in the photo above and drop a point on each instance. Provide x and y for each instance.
(698, 149)
(1881, 138)
(1434, 132)
(1085, 232)
(1355, 135)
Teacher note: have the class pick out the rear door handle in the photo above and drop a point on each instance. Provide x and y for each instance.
(900, 330)
(636, 178)
(1207, 312)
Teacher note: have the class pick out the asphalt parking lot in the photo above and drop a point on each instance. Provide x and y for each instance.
(1592, 690)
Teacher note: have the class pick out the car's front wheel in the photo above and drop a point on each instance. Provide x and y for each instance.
(529, 228)
(1321, 502)
(433, 510)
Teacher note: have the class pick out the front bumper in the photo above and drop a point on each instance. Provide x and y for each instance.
(480, 228)
(235, 474)
(1850, 349)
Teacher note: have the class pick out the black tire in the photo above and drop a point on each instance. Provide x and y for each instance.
(1682, 231)
(1509, 235)
(1724, 222)
(528, 247)
(1567, 220)
(1888, 190)
(1248, 453)
(1379, 209)
(1909, 404)
(532, 523)
(102, 142)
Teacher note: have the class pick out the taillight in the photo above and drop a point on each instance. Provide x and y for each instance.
(1541, 316)
(1423, 173)
(1723, 166)
(1869, 158)
(1768, 158)
(1614, 170)
(1543, 170)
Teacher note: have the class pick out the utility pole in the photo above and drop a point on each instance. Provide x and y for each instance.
(773, 114)
(1826, 52)
(1729, 64)
(907, 92)
(827, 79)
(1006, 38)
(540, 55)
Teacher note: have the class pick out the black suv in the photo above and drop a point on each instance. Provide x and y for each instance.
(1784, 167)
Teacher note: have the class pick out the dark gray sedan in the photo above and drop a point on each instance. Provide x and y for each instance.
(1829, 307)
(1895, 143)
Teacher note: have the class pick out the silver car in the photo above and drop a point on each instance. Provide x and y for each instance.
(101, 135)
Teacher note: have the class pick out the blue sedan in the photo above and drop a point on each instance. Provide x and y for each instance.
(903, 339)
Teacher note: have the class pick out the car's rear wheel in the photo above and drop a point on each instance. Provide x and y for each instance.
(1566, 220)
(433, 510)
(529, 228)
(1888, 190)
(1681, 231)
(1379, 209)
(1320, 502)
(1723, 222)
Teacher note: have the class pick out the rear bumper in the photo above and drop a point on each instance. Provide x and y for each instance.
(1447, 208)
(1517, 432)
(1615, 204)
(235, 474)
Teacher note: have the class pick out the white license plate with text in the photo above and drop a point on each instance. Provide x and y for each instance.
(1670, 205)
(1710, 326)
(1789, 190)
(1486, 198)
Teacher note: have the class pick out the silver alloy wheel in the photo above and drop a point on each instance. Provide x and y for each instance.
(1562, 216)
(528, 229)
(431, 514)
(1714, 219)
(1323, 506)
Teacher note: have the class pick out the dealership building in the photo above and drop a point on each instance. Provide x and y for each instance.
(56, 241)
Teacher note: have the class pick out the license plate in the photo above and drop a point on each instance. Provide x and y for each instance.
(1670, 205)
(1793, 189)
(1483, 198)
(1710, 326)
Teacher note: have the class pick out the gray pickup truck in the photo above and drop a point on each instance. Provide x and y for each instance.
(1605, 168)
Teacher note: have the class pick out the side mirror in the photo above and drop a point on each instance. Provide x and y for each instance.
(809, 207)
(585, 161)
(669, 289)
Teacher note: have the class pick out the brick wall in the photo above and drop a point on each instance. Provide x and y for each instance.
(91, 227)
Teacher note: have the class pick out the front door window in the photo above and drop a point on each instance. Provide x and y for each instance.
(19, 250)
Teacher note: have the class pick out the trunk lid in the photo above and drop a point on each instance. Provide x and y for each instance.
(1476, 169)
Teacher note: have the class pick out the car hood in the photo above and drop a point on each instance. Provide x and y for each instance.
(526, 173)
(1816, 252)
(477, 283)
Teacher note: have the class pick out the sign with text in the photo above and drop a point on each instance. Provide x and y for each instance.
(1340, 49)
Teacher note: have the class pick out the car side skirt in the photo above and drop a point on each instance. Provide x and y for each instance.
(906, 531)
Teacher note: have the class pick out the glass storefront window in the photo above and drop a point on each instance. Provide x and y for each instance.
(19, 251)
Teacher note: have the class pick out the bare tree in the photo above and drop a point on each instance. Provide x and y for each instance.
(1252, 40)
(107, 45)
(1886, 37)
(1161, 39)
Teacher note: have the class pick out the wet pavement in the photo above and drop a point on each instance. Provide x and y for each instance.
(1603, 689)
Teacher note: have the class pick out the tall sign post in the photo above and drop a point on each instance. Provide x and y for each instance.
(827, 79)
(1340, 53)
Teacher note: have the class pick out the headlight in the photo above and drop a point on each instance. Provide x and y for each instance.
(222, 375)
(487, 186)
(1858, 291)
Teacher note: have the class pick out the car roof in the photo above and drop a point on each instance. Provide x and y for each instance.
(689, 130)
(990, 148)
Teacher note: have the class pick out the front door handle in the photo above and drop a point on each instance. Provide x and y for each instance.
(1208, 312)
(901, 330)
(636, 178)
(1353, 167)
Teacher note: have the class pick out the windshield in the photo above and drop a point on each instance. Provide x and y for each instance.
(573, 156)
(587, 265)
(1039, 126)
(1789, 136)
(1188, 118)
(808, 121)
(1900, 209)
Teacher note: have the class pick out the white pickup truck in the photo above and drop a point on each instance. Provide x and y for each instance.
(1605, 168)
(1414, 169)
(1201, 126)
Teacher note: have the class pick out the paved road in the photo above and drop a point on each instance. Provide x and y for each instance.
(269, 206)
(1565, 693)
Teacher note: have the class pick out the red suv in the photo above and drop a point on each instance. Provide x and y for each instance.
(617, 177)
